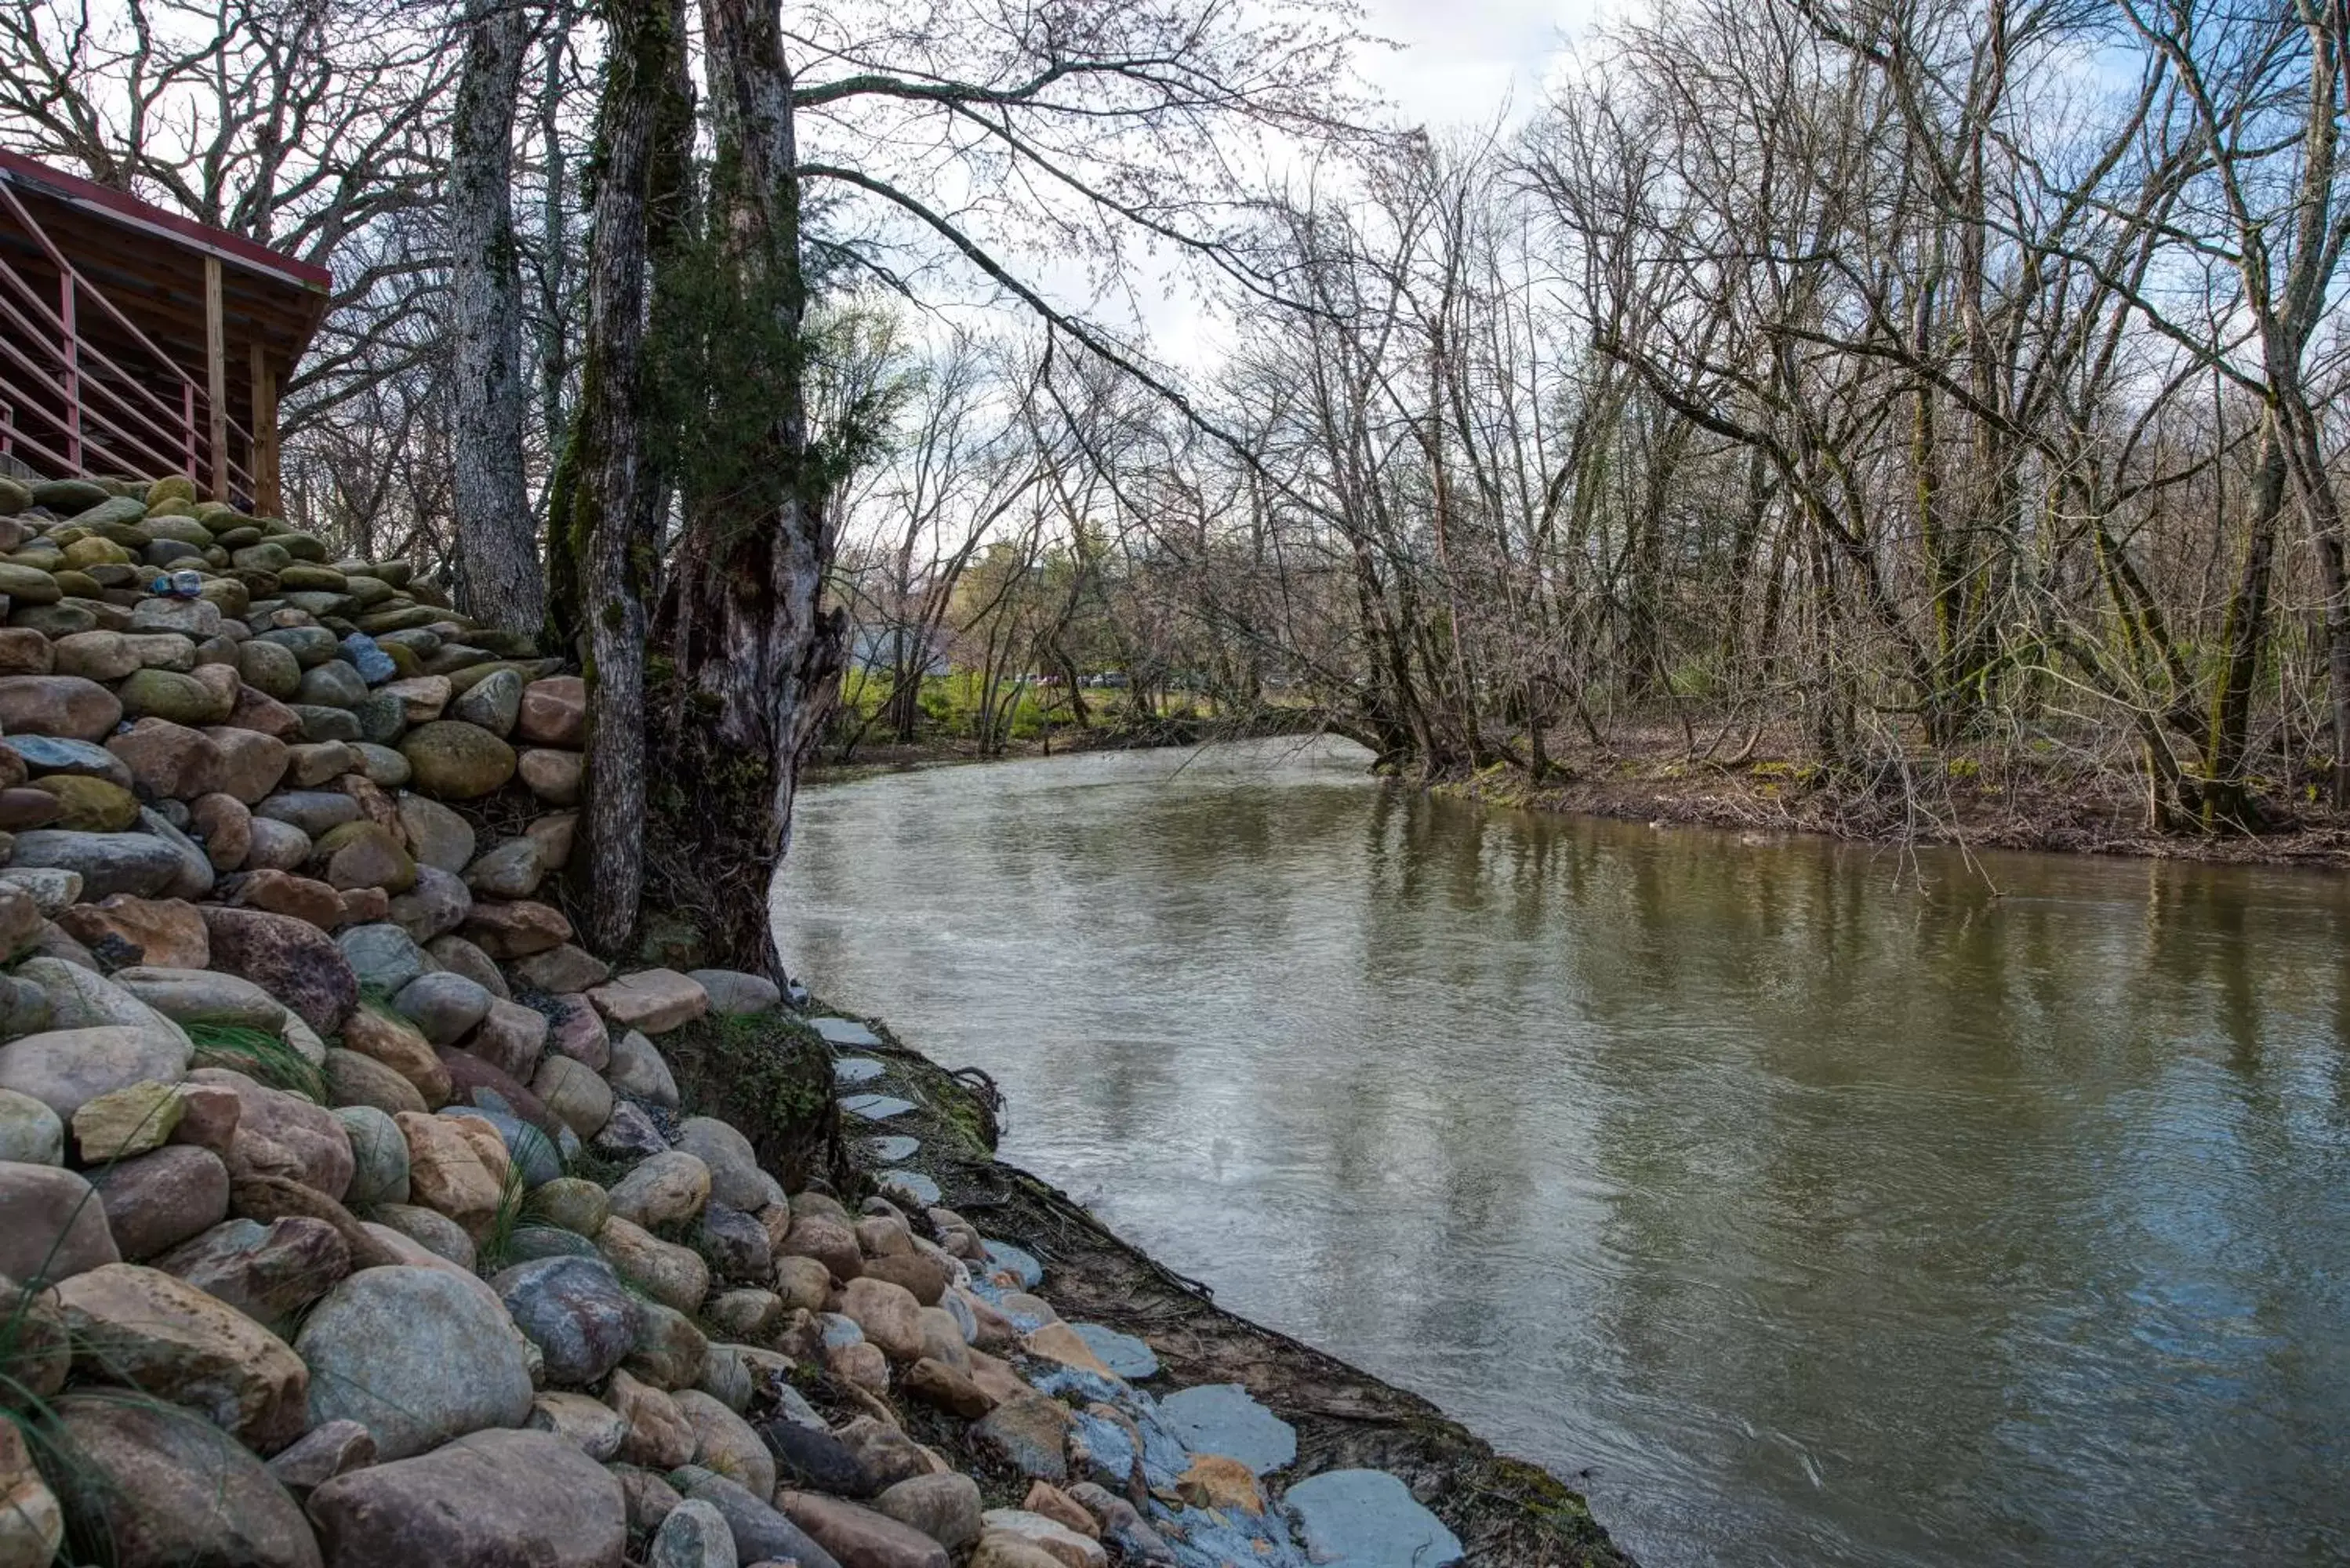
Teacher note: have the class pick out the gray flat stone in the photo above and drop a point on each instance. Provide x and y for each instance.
(1221, 1418)
(1121, 1353)
(844, 1032)
(889, 1151)
(857, 1070)
(876, 1108)
(1368, 1519)
(920, 1188)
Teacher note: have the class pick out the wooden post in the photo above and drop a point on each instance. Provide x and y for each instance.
(216, 375)
(72, 347)
(267, 501)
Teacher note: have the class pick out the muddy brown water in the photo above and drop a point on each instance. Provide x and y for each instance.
(1818, 1204)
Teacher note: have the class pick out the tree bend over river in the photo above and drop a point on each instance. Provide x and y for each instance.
(1824, 1204)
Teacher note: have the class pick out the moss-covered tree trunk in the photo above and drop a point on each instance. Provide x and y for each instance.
(607, 501)
(749, 663)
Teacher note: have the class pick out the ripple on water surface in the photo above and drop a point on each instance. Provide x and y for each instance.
(1825, 1219)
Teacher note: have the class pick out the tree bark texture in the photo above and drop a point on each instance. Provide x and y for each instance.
(498, 574)
(610, 493)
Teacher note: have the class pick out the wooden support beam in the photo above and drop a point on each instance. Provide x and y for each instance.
(266, 501)
(216, 375)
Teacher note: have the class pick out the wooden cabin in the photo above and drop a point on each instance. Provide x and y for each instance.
(134, 341)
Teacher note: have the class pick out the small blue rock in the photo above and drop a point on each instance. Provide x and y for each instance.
(853, 1070)
(1121, 1353)
(1002, 1256)
(1368, 1519)
(876, 1108)
(844, 1032)
(374, 665)
(1221, 1418)
(912, 1184)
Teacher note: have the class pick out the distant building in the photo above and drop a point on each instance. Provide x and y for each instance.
(137, 342)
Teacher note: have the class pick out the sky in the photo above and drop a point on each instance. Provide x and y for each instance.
(1462, 63)
(1464, 59)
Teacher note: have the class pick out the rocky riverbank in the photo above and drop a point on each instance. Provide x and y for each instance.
(353, 1215)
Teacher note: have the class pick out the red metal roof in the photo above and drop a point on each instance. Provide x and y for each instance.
(92, 197)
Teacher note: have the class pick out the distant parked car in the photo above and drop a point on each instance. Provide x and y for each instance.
(1114, 680)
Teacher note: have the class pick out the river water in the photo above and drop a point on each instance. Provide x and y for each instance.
(1823, 1205)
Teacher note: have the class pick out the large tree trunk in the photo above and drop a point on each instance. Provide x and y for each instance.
(756, 664)
(498, 576)
(607, 498)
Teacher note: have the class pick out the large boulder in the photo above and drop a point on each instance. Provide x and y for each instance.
(158, 1200)
(437, 836)
(555, 712)
(452, 760)
(282, 1136)
(654, 1000)
(445, 1172)
(52, 1225)
(667, 1189)
(572, 1092)
(397, 1044)
(575, 1311)
(735, 1178)
(166, 1489)
(382, 956)
(443, 1006)
(123, 931)
(726, 1443)
(67, 705)
(415, 1355)
(106, 863)
(492, 1499)
(80, 998)
(30, 1132)
(269, 1273)
(292, 959)
(861, 1535)
(169, 760)
(516, 928)
(202, 995)
(761, 1533)
(66, 1068)
(378, 1156)
(148, 1329)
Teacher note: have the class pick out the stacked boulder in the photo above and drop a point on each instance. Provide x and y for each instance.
(351, 1215)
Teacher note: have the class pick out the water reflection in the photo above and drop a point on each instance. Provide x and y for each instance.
(1834, 1207)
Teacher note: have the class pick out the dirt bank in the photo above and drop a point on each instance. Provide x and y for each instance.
(1976, 800)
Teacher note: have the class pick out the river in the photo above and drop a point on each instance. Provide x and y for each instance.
(1814, 1203)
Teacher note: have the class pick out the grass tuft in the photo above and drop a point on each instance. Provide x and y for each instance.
(264, 1057)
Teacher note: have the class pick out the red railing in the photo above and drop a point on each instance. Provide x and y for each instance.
(74, 410)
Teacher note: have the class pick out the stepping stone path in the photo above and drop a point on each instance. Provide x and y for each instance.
(1121, 1353)
(853, 1070)
(1368, 1519)
(914, 1185)
(876, 1108)
(844, 1032)
(1221, 1418)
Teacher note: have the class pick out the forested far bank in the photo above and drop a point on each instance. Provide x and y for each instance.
(1925, 415)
